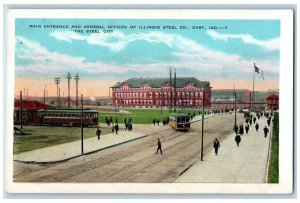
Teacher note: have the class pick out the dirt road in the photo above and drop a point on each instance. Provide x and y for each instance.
(134, 162)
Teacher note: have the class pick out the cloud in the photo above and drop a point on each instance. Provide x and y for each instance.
(190, 57)
(118, 41)
(268, 45)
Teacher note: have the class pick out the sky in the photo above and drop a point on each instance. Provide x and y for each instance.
(220, 51)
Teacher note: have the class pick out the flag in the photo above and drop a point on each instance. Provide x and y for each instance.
(256, 69)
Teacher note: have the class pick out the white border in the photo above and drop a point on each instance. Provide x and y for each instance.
(286, 103)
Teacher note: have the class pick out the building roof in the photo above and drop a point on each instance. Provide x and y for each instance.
(30, 105)
(158, 82)
(273, 96)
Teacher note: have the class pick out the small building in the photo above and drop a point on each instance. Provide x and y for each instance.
(273, 102)
(158, 92)
(29, 110)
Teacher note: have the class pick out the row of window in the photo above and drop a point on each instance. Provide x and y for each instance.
(68, 115)
(158, 95)
(158, 102)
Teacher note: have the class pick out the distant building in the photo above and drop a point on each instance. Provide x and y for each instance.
(157, 92)
(29, 110)
(273, 102)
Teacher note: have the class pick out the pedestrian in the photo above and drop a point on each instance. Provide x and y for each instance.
(98, 133)
(216, 146)
(256, 127)
(235, 128)
(113, 129)
(237, 139)
(250, 122)
(269, 121)
(266, 130)
(158, 146)
(254, 120)
(241, 129)
(116, 128)
(154, 121)
(247, 128)
(157, 121)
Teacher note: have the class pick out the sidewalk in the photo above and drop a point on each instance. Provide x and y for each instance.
(244, 164)
(70, 150)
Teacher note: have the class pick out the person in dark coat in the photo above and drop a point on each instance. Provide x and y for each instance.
(117, 128)
(157, 121)
(158, 146)
(256, 127)
(269, 121)
(237, 139)
(241, 129)
(154, 121)
(216, 146)
(250, 122)
(98, 133)
(254, 120)
(235, 128)
(266, 130)
(247, 128)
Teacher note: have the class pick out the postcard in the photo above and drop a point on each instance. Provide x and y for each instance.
(149, 101)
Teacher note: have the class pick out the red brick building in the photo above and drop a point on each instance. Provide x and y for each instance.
(273, 102)
(29, 110)
(157, 92)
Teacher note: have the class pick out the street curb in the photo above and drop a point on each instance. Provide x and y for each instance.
(91, 152)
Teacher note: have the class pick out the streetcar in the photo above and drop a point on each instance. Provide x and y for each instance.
(67, 117)
(180, 121)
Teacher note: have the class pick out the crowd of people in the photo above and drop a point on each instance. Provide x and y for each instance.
(249, 120)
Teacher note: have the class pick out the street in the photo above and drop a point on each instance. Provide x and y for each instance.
(136, 161)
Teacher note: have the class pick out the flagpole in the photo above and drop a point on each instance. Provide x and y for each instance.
(253, 87)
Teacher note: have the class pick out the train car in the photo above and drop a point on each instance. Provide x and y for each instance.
(180, 121)
(67, 117)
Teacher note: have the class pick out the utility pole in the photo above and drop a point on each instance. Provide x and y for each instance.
(21, 101)
(44, 96)
(76, 78)
(57, 82)
(175, 93)
(69, 77)
(234, 108)
(81, 124)
(202, 125)
(170, 98)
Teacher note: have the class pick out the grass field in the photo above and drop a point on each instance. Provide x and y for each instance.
(273, 174)
(140, 116)
(44, 136)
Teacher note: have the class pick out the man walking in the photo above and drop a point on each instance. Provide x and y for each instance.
(216, 146)
(116, 128)
(98, 133)
(247, 128)
(237, 139)
(266, 130)
(158, 146)
(256, 127)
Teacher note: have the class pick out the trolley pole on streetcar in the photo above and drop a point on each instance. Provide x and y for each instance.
(202, 126)
(81, 123)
